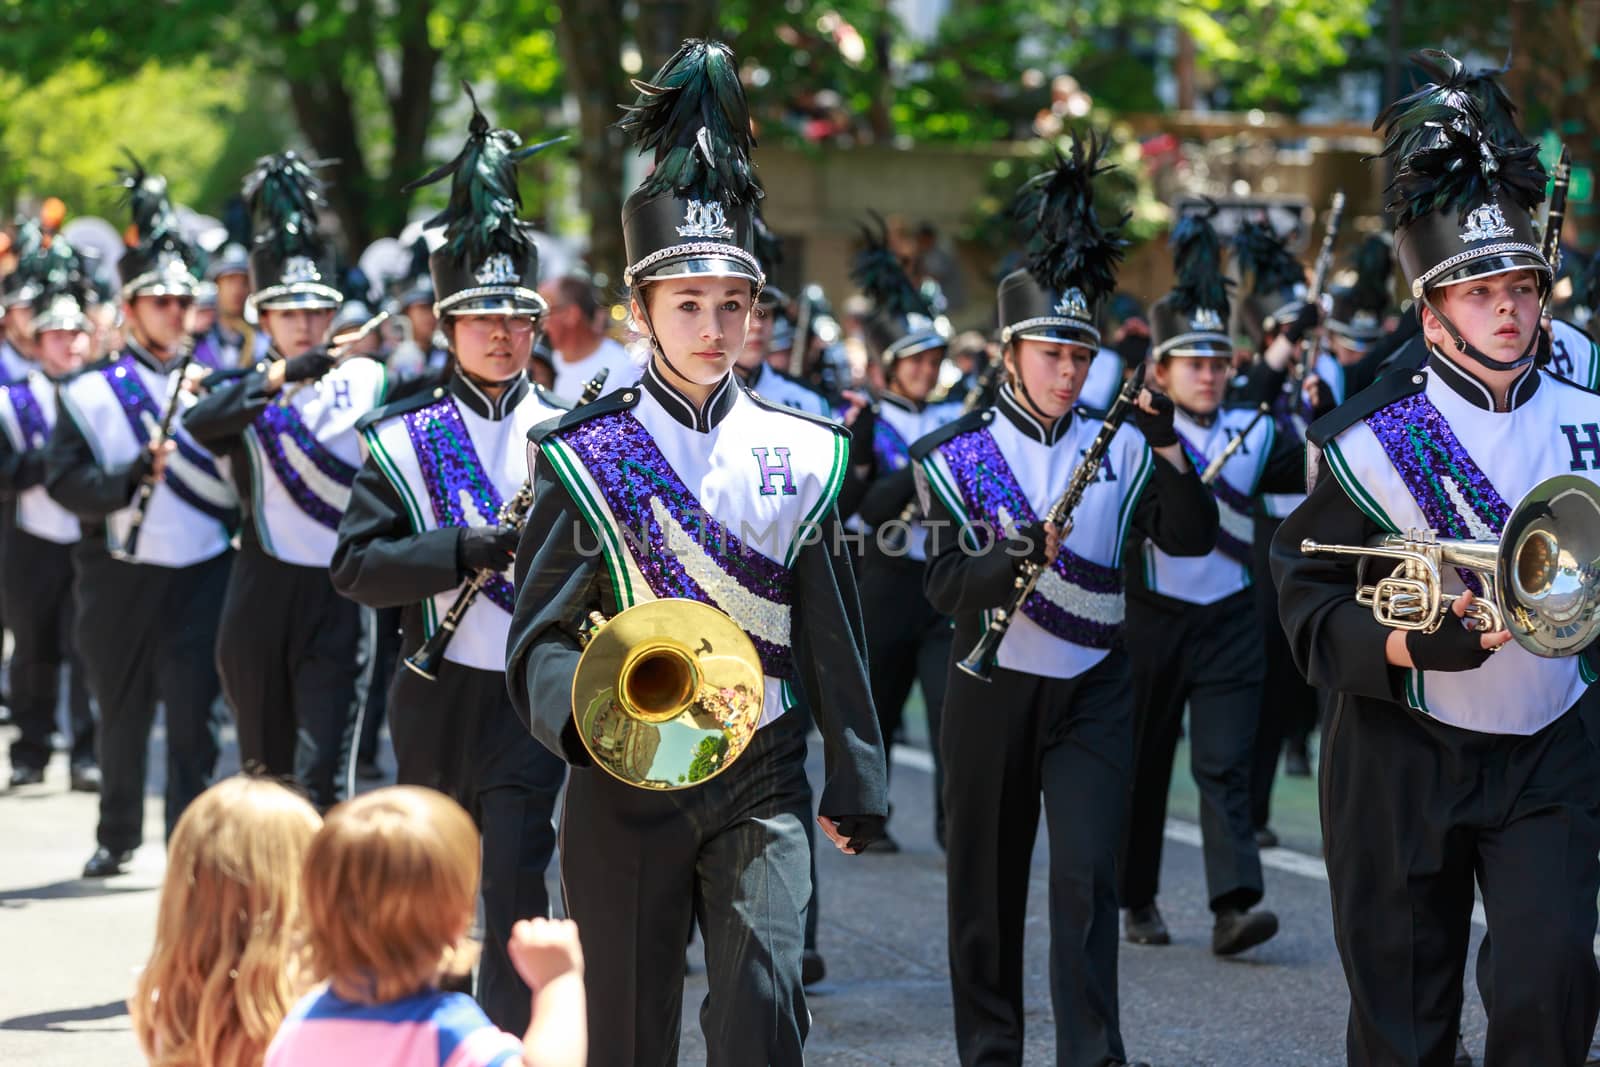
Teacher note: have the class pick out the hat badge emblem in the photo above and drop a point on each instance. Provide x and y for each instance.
(1072, 304)
(704, 218)
(1484, 223)
(1206, 319)
(497, 270)
(300, 269)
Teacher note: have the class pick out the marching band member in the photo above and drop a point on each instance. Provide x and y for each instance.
(1194, 639)
(1452, 756)
(36, 560)
(1055, 720)
(759, 483)
(150, 580)
(290, 649)
(443, 467)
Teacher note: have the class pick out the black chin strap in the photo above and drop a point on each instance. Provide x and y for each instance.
(1022, 390)
(655, 346)
(1467, 349)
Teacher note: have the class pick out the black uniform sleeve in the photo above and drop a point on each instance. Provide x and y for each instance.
(1285, 469)
(830, 649)
(1336, 642)
(1176, 511)
(558, 584)
(886, 497)
(959, 578)
(75, 479)
(379, 560)
(230, 404)
(19, 470)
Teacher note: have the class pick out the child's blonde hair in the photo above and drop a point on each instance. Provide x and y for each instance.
(390, 885)
(225, 967)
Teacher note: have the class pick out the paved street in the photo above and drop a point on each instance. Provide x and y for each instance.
(73, 948)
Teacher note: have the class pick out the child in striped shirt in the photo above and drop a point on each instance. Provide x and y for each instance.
(389, 890)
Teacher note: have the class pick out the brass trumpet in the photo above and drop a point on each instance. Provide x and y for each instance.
(1541, 579)
(667, 694)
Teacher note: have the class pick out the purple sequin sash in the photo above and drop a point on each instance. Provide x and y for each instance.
(136, 402)
(987, 487)
(1423, 448)
(280, 422)
(888, 447)
(450, 468)
(630, 470)
(30, 416)
(1229, 497)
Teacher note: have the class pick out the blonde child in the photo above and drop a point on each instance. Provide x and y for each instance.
(389, 887)
(226, 965)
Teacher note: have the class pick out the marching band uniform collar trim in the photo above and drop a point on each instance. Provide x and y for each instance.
(700, 418)
(894, 399)
(467, 392)
(1469, 388)
(1025, 421)
(149, 358)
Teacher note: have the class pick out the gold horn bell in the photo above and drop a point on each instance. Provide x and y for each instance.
(667, 694)
(1541, 579)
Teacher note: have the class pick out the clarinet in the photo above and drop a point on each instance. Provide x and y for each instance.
(513, 514)
(912, 512)
(1319, 281)
(980, 661)
(147, 484)
(1558, 211)
(1214, 468)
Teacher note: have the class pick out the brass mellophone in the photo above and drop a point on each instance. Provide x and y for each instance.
(1541, 578)
(513, 515)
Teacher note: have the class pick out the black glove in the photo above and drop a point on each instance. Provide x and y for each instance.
(1034, 532)
(486, 548)
(1157, 429)
(308, 365)
(1321, 399)
(1303, 323)
(861, 433)
(860, 830)
(1452, 647)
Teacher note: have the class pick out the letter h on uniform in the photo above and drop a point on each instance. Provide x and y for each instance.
(1590, 445)
(341, 394)
(771, 472)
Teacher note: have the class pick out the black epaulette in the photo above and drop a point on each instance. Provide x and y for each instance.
(923, 446)
(609, 404)
(771, 405)
(414, 402)
(550, 398)
(1396, 385)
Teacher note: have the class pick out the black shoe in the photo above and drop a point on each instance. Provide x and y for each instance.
(1266, 838)
(21, 776)
(104, 863)
(1463, 1057)
(884, 844)
(85, 778)
(1296, 760)
(1236, 931)
(1144, 926)
(812, 969)
(368, 771)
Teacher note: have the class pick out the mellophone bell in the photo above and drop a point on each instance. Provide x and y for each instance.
(1458, 761)
(433, 513)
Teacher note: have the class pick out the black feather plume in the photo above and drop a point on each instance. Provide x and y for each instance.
(480, 218)
(154, 221)
(1374, 274)
(284, 197)
(1197, 261)
(1065, 243)
(878, 273)
(1454, 144)
(1261, 253)
(769, 246)
(60, 271)
(692, 116)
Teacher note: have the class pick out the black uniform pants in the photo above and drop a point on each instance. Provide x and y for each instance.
(36, 576)
(1288, 702)
(639, 866)
(147, 634)
(461, 736)
(907, 641)
(1208, 657)
(1006, 743)
(290, 653)
(1412, 812)
(384, 661)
